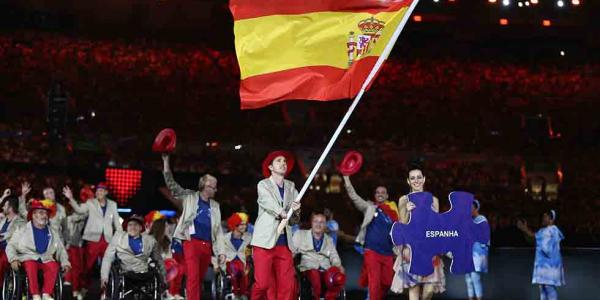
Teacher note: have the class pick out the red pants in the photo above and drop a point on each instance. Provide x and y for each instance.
(74, 276)
(4, 265)
(175, 284)
(93, 251)
(197, 255)
(274, 274)
(50, 270)
(379, 271)
(316, 277)
(239, 279)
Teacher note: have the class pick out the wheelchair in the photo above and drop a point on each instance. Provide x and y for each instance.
(130, 285)
(221, 286)
(16, 285)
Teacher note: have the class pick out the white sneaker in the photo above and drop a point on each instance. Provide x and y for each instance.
(47, 297)
(36, 297)
(178, 297)
(77, 295)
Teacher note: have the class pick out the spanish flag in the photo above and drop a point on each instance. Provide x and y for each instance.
(310, 49)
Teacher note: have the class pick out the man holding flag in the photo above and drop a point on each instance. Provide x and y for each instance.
(311, 50)
(272, 250)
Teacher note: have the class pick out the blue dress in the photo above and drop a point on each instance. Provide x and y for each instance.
(548, 267)
(480, 251)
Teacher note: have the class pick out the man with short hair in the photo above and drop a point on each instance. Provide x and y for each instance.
(379, 215)
(319, 260)
(9, 223)
(102, 223)
(199, 227)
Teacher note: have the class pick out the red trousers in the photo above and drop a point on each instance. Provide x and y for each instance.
(317, 277)
(379, 273)
(74, 276)
(93, 251)
(50, 271)
(274, 274)
(175, 283)
(197, 255)
(4, 265)
(239, 279)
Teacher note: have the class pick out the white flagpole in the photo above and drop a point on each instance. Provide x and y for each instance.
(378, 64)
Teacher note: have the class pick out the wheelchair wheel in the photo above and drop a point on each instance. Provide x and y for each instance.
(58, 287)
(12, 286)
(114, 285)
(155, 286)
(218, 286)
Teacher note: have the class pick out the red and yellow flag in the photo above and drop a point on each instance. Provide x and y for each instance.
(310, 49)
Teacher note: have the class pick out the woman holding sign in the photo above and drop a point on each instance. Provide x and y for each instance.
(419, 287)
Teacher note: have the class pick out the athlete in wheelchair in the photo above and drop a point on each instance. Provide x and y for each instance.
(133, 267)
(321, 271)
(232, 280)
(34, 252)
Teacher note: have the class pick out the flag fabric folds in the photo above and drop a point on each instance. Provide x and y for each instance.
(310, 49)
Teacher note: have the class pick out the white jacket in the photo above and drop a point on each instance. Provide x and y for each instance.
(97, 223)
(21, 247)
(119, 247)
(189, 200)
(311, 259)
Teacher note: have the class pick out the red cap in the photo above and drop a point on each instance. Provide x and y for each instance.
(165, 141)
(351, 163)
(269, 159)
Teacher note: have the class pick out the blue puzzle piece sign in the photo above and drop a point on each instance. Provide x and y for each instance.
(429, 234)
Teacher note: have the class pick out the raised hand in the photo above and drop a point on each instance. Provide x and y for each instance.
(67, 192)
(25, 188)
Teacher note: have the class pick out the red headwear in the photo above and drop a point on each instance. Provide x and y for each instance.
(351, 163)
(165, 141)
(45, 204)
(103, 185)
(236, 219)
(271, 156)
(153, 216)
(86, 193)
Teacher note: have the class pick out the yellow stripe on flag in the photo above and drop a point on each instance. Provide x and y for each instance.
(281, 42)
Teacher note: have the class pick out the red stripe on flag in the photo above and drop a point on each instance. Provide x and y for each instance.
(246, 9)
(321, 83)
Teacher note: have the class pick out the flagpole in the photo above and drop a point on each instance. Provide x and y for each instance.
(386, 52)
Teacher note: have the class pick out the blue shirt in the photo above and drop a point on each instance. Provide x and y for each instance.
(202, 221)
(281, 240)
(2, 231)
(318, 243)
(41, 238)
(378, 234)
(103, 209)
(136, 245)
(281, 191)
(236, 242)
(176, 246)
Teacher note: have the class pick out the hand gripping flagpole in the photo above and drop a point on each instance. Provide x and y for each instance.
(376, 67)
